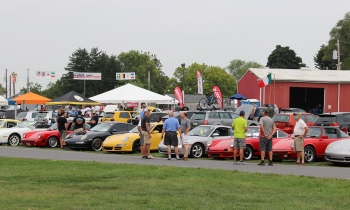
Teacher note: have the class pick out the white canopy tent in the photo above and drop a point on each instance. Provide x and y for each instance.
(169, 102)
(130, 93)
(3, 101)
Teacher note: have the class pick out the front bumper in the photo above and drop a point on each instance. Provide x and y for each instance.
(34, 142)
(117, 147)
(226, 153)
(163, 149)
(76, 145)
(338, 157)
(284, 154)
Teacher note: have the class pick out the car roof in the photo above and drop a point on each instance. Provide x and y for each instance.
(334, 113)
(217, 125)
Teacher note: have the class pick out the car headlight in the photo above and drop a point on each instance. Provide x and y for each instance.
(107, 138)
(24, 135)
(292, 144)
(125, 139)
(209, 143)
(68, 136)
(330, 146)
(83, 137)
(39, 136)
(232, 144)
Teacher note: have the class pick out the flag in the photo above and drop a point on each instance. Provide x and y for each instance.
(266, 81)
(53, 75)
(199, 82)
(178, 95)
(217, 94)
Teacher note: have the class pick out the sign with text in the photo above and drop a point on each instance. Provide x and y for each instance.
(132, 104)
(14, 77)
(86, 76)
(125, 76)
(46, 74)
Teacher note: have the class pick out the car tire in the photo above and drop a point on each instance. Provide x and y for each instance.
(96, 144)
(310, 154)
(14, 140)
(52, 142)
(197, 150)
(136, 147)
(248, 153)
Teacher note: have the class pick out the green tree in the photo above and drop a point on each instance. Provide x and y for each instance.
(341, 31)
(212, 75)
(2, 90)
(237, 68)
(33, 87)
(284, 58)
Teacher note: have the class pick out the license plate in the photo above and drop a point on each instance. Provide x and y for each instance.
(64, 143)
(28, 144)
(195, 123)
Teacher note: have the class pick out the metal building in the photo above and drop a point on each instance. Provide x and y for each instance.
(299, 88)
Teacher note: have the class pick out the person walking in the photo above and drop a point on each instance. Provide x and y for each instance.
(146, 133)
(171, 125)
(144, 156)
(271, 111)
(255, 112)
(94, 120)
(185, 128)
(300, 131)
(240, 126)
(79, 123)
(276, 109)
(267, 129)
(62, 126)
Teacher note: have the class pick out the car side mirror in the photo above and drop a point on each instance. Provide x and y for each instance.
(215, 134)
(114, 131)
(324, 137)
(155, 131)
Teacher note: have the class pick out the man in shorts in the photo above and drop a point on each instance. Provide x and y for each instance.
(146, 134)
(141, 140)
(185, 128)
(267, 129)
(171, 125)
(62, 126)
(300, 131)
(240, 126)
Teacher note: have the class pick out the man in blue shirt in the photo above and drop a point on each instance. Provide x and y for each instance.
(171, 125)
(143, 106)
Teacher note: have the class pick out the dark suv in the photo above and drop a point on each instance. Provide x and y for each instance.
(336, 119)
(212, 117)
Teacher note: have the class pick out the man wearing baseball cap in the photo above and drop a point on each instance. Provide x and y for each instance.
(267, 129)
(146, 134)
(240, 126)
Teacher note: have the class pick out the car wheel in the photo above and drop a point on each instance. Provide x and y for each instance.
(197, 150)
(310, 154)
(52, 142)
(136, 146)
(248, 153)
(96, 144)
(14, 140)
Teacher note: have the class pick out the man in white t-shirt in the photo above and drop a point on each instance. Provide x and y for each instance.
(300, 131)
(97, 109)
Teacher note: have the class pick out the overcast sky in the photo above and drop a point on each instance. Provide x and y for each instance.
(41, 35)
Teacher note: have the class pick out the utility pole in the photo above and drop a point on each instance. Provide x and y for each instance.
(183, 65)
(10, 86)
(338, 46)
(6, 82)
(149, 80)
(84, 88)
(28, 80)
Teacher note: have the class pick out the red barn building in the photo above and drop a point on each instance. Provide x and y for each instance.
(299, 88)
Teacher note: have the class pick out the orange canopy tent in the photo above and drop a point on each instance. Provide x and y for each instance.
(31, 98)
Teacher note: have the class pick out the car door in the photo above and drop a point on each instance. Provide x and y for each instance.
(226, 118)
(156, 133)
(119, 128)
(213, 118)
(124, 116)
(332, 136)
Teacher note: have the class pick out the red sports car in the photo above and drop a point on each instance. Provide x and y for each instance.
(315, 143)
(287, 121)
(223, 148)
(45, 138)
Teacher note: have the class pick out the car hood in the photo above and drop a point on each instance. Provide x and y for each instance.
(221, 143)
(340, 145)
(119, 137)
(283, 144)
(11, 130)
(30, 133)
(246, 108)
(88, 134)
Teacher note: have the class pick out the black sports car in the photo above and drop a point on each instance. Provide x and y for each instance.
(93, 139)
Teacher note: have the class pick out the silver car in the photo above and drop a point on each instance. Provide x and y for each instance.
(338, 151)
(198, 139)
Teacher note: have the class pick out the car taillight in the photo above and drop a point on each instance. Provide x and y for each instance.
(205, 122)
(289, 125)
(24, 119)
(335, 124)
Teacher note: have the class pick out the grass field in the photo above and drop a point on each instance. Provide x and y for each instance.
(45, 184)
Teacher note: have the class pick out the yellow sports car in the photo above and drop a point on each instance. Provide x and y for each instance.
(8, 123)
(130, 142)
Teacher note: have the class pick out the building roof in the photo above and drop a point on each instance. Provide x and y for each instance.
(190, 98)
(304, 75)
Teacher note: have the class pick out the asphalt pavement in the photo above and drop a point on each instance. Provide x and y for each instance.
(38, 153)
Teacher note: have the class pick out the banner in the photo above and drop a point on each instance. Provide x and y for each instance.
(199, 82)
(86, 76)
(178, 95)
(218, 96)
(46, 74)
(125, 76)
(132, 104)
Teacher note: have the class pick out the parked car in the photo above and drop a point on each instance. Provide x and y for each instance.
(27, 115)
(340, 120)
(212, 118)
(247, 110)
(94, 138)
(46, 138)
(8, 123)
(287, 121)
(223, 148)
(315, 143)
(177, 115)
(292, 110)
(130, 142)
(12, 136)
(338, 151)
(199, 138)
(9, 114)
(119, 116)
(49, 115)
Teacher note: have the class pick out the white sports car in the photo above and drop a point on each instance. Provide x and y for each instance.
(12, 136)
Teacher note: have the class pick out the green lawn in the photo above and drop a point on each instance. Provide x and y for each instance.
(46, 184)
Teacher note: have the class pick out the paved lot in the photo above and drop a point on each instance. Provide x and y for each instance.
(316, 171)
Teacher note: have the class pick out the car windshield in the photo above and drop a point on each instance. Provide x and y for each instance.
(314, 132)
(22, 115)
(343, 135)
(198, 116)
(326, 118)
(203, 131)
(103, 127)
(41, 114)
(108, 115)
(234, 115)
(281, 118)
(253, 131)
(53, 127)
(135, 130)
(25, 124)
